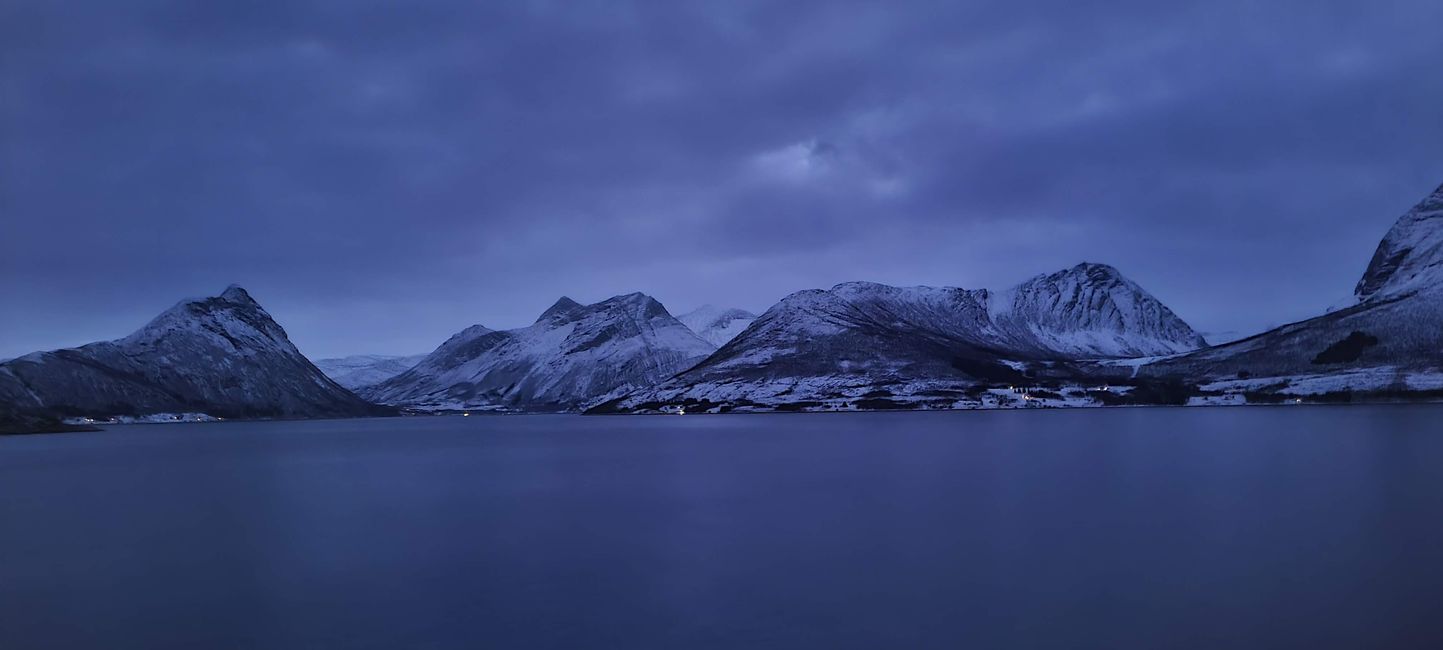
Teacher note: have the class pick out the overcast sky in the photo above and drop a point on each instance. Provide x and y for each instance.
(382, 174)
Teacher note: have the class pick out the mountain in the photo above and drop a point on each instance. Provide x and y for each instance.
(871, 343)
(572, 357)
(1389, 343)
(716, 325)
(360, 370)
(1410, 257)
(1089, 310)
(224, 356)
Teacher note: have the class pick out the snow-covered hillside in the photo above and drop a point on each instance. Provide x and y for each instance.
(360, 370)
(1395, 330)
(224, 356)
(716, 325)
(572, 357)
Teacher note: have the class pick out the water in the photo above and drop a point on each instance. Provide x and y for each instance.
(1138, 528)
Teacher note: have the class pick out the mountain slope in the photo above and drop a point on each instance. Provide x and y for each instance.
(863, 341)
(222, 355)
(1391, 339)
(572, 357)
(716, 325)
(360, 370)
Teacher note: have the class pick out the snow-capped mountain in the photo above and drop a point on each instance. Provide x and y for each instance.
(1390, 340)
(716, 325)
(863, 339)
(360, 370)
(1090, 310)
(573, 356)
(224, 356)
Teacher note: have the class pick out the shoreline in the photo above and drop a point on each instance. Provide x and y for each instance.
(102, 427)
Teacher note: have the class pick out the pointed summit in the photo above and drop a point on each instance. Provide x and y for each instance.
(237, 294)
(1410, 257)
(1096, 270)
(563, 306)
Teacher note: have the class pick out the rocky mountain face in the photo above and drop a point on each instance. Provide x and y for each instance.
(716, 325)
(1390, 341)
(224, 356)
(359, 370)
(572, 357)
(863, 341)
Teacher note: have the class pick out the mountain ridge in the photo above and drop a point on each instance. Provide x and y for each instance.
(858, 338)
(856, 345)
(571, 357)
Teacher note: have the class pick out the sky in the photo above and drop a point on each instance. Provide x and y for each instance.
(380, 175)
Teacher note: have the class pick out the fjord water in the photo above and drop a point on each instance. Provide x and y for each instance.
(1128, 528)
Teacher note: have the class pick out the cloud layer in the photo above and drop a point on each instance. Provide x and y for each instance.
(383, 174)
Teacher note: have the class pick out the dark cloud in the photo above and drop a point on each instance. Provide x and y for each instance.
(383, 174)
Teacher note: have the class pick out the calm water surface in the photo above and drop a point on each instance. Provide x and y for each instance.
(1134, 528)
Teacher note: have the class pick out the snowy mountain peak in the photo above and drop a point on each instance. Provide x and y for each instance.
(1091, 310)
(233, 317)
(237, 294)
(637, 305)
(1095, 272)
(1410, 257)
(717, 325)
(469, 334)
(566, 309)
(562, 307)
(704, 312)
(861, 287)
